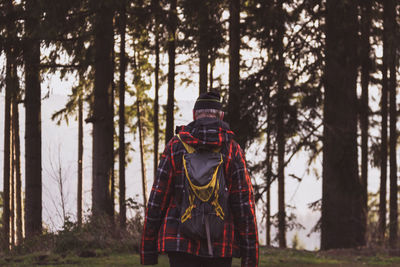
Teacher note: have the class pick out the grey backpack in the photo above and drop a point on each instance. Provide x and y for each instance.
(204, 205)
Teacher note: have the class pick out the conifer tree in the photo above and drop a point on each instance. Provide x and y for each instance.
(171, 45)
(103, 129)
(341, 191)
(392, 28)
(33, 140)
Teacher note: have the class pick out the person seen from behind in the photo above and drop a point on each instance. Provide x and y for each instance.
(201, 209)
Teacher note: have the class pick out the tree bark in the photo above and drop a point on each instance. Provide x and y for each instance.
(122, 69)
(268, 173)
(390, 5)
(384, 132)
(280, 131)
(80, 158)
(33, 131)
(341, 190)
(17, 164)
(157, 86)
(211, 75)
(142, 161)
(233, 116)
(366, 7)
(202, 46)
(12, 179)
(103, 128)
(172, 21)
(112, 200)
(7, 152)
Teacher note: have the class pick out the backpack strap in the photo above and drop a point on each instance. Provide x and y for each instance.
(188, 148)
(191, 149)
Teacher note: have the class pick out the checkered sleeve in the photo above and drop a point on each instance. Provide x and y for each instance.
(243, 209)
(156, 208)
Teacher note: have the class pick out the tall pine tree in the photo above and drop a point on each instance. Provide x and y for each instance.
(341, 190)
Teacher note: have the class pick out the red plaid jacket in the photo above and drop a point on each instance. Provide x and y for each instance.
(161, 232)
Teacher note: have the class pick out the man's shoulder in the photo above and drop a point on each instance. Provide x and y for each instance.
(172, 142)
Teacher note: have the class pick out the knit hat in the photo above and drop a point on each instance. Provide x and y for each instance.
(209, 100)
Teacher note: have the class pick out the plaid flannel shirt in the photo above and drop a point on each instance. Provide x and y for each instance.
(161, 232)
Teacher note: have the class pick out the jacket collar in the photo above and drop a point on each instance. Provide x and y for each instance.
(205, 131)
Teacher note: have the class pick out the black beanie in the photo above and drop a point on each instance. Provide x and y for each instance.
(209, 100)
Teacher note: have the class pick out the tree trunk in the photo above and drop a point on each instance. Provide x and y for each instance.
(280, 130)
(33, 132)
(364, 125)
(233, 116)
(212, 64)
(7, 151)
(157, 87)
(60, 180)
(113, 128)
(80, 157)
(268, 174)
(12, 179)
(103, 128)
(390, 5)
(384, 133)
(341, 190)
(122, 69)
(142, 161)
(17, 164)
(202, 46)
(169, 132)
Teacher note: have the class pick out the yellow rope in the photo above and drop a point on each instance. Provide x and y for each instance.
(198, 190)
(188, 212)
(188, 148)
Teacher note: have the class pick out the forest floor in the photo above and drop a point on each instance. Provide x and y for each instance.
(268, 257)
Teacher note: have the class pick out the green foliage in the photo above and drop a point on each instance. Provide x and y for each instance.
(301, 102)
(99, 233)
(142, 68)
(207, 12)
(95, 234)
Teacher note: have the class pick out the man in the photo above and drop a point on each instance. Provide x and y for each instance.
(162, 232)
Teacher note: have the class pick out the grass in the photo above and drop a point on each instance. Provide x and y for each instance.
(268, 257)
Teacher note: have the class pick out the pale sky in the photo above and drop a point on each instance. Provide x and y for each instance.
(64, 139)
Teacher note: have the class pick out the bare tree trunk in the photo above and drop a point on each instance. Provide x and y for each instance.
(203, 49)
(33, 131)
(122, 69)
(13, 172)
(212, 64)
(268, 174)
(169, 131)
(60, 181)
(103, 125)
(364, 125)
(341, 188)
(157, 86)
(112, 200)
(142, 161)
(280, 130)
(393, 203)
(384, 133)
(7, 153)
(233, 116)
(80, 158)
(268, 200)
(17, 164)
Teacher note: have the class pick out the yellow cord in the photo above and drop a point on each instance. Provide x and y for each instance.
(213, 184)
